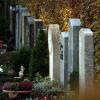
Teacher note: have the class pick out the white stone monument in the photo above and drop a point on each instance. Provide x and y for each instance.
(64, 58)
(86, 50)
(54, 51)
(73, 45)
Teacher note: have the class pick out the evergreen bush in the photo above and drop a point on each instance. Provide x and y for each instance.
(21, 58)
(39, 59)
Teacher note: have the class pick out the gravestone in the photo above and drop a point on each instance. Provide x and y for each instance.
(11, 18)
(86, 50)
(21, 12)
(18, 26)
(24, 14)
(74, 26)
(29, 29)
(54, 51)
(12, 27)
(64, 58)
(38, 24)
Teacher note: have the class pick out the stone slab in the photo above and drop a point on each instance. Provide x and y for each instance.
(54, 51)
(64, 58)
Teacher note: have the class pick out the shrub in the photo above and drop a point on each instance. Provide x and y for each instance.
(21, 58)
(45, 85)
(39, 58)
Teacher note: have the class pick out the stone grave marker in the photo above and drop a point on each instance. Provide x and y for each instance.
(12, 27)
(24, 14)
(64, 58)
(38, 24)
(11, 18)
(16, 31)
(21, 12)
(29, 29)
(86, 49)
(54, 51)
(18, 26)
(74, 26)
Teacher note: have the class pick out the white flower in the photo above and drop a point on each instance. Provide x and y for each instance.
(1, 70)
